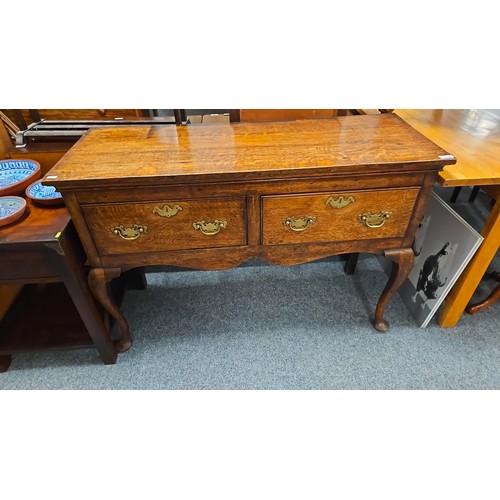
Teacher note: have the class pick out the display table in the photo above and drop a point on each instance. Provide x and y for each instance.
(473, 136)
(213, 196)
(56, 309)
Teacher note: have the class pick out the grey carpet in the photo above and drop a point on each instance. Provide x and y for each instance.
(270, 327)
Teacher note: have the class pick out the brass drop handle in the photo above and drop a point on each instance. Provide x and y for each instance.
(209, 228)
(167, 211)
(129, 233)
(340, 202)
(299, 223)
(374, 220)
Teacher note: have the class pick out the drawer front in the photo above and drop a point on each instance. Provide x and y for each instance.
(324, 217)
(168, 225)
(27, 263)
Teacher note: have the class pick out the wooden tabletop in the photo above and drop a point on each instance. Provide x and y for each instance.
(471, 135)
(300, 148)
(37, 225)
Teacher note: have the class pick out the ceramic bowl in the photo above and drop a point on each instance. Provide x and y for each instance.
(43, 195)
(17, 175)
(11, 209)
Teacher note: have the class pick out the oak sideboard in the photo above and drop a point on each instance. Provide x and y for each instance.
(213, 196)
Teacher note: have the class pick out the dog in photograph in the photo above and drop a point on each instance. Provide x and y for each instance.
(435, 272)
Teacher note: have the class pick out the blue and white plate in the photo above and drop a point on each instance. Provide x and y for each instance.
(44, 195)
(11, 208)
(16, 175)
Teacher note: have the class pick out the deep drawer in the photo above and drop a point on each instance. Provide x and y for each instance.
(323, 217)
(167, 225)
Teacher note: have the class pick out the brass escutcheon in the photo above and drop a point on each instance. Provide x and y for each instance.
(209, 228)
(374, 220)
(340, 202)
(129, 233)
(299, 223)
(167, 211)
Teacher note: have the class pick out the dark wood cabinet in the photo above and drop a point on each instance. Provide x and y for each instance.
(55, 309)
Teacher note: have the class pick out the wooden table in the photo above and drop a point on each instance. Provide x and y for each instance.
(56, 308)
(213, 196)
(473, 137)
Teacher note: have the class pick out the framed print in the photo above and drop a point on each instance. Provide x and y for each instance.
(444, 244)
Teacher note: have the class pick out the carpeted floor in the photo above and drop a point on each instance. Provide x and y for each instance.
(269, 327)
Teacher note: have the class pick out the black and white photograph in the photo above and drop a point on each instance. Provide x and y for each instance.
(444, 244)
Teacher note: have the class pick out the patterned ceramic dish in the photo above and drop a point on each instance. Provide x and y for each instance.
(17, 175)
(11, 209)
(43, 195)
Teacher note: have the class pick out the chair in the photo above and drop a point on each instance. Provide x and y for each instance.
(488, 301)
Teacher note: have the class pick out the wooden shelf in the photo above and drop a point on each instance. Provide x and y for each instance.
(43, 317)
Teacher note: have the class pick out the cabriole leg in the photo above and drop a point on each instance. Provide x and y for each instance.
(98, 279)
(402, 264)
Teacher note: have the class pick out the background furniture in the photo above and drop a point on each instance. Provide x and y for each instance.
(25, 117)
(65, 131)
(473, 136)
(251, 115)
(5, 142)
(493, 297)
(214, 197)
(56, 309)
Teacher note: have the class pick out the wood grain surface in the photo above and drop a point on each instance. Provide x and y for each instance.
(336, 224)
(471, 135)
(245, 150)
(173, 233)
(38, 224)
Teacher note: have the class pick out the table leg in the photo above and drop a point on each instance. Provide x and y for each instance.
(66, 258)
(464, 288)
(351, 262)
(402, 263)
(98, 279)
(91, 318)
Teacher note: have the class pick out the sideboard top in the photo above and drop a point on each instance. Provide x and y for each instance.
(145, 154)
